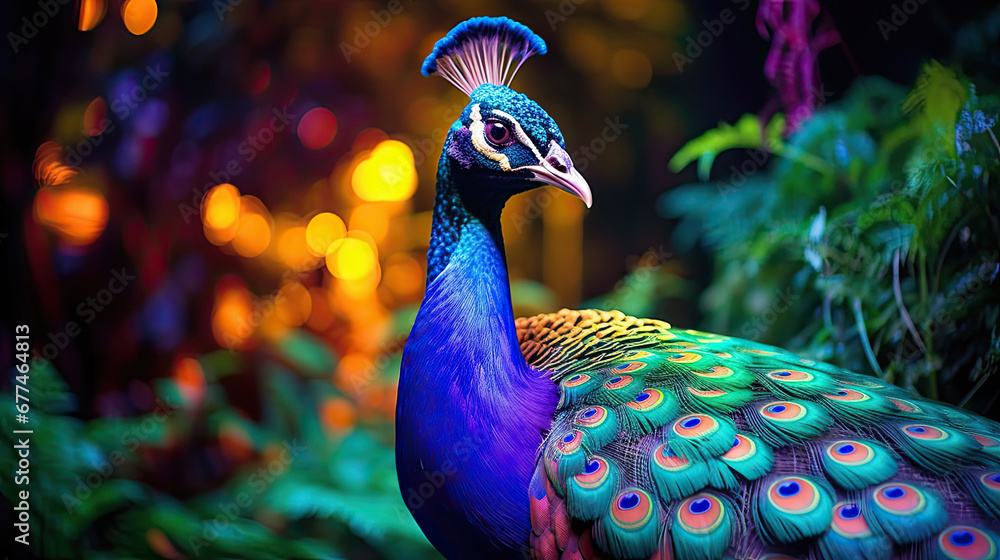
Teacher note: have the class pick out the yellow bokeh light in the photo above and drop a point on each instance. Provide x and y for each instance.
(350, 258)
(139, 15)
(322, 231)
(387, 173)
(220, 212)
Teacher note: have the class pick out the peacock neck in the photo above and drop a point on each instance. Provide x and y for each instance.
(471, 412)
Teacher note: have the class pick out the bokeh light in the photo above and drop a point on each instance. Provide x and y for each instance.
(293, 304)
(232, 322)
(350, 258)
(317, 128)
(220, 213)
(139, 15)
(91, 13)
(323, 229)
(76, 214)
(253, 230)
(387, 173)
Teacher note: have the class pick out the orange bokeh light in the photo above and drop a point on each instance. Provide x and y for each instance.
(139, 15)
(350, 258)
(293, 304)
(232, 320)
(91, 13)
(76, 214)
(253, 232)
(220, 212)
(338, 414)
(190, 379)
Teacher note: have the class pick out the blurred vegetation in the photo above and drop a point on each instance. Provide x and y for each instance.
(871, 239)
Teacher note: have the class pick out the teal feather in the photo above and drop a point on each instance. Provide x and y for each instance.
(565, 456)
(936, 448)
(905, 512)
(701, 527)
(796, 383)
(984, 487)
(857, 405)
(650, 409)
(721, 477)
(701, 435)
(617, 388)
(851, 537)
(786, 422)
(574, 388)
(749, 456)
(590, 492)
(677, 476)
(600, 425)
(716, 401)
(856, 464)
(791, 508)
(631, 525)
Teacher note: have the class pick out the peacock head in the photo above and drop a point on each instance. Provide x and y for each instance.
(502, 136)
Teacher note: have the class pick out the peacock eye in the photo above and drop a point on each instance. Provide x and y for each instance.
(498, 133)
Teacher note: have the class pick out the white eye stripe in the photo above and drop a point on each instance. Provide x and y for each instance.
(478, 129)
(519, 133)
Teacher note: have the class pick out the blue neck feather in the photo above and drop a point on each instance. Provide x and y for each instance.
(471, 412)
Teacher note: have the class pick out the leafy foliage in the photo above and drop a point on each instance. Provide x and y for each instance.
(871, 240)
(288, 482)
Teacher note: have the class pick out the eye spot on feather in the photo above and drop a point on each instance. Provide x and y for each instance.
(849, 395)
(695, 425)
(792, 494)
(986, 441)
(636, 354)
(900, 498)
(925, 432)
(629, 367)
(646, 400)
(906, 406)
(596, 473)
(665, 458)
(577, 380)
(701, 513)
(684, 357)
(723, 355)
(991, 480)
(717, 372)
(848, 521)
(570, 443)
(783, 411)
(591, 417)
(632, 509)
(743, 448)
(962, 542)
(619, 382)
(854, 453)
(790, 376)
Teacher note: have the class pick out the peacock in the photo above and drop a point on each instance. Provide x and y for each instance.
(595, 435)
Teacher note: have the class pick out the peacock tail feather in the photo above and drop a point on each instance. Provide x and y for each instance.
(671, 443)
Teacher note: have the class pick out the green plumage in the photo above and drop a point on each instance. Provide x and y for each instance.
(685, 415)
(855, 464)
(791, 508)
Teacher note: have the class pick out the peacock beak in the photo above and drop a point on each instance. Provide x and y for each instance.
(557, 169)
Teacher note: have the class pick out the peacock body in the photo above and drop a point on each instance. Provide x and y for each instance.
(590, 434)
